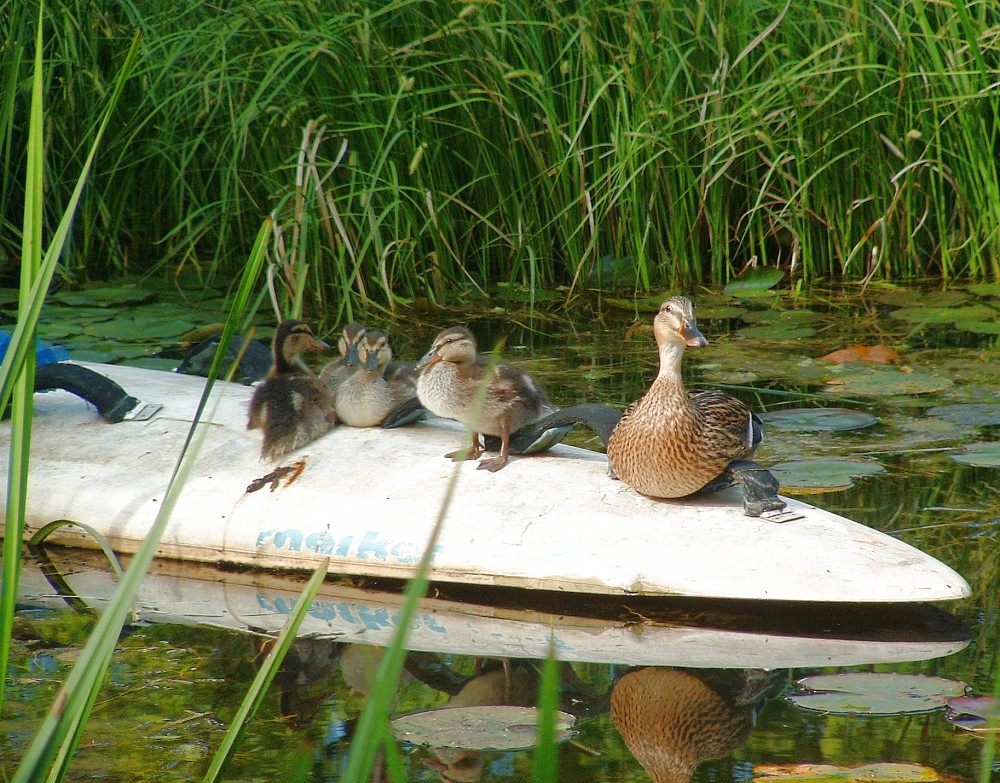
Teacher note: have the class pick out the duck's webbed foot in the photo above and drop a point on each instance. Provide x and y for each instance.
(493, 464)
(473, 452)
(760, 487)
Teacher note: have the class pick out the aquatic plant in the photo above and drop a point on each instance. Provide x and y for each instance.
(624, 144)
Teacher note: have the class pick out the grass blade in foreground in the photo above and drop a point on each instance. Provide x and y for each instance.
(60, 730)
(265, 675)
(22, 372)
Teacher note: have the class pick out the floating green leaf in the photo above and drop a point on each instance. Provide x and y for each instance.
(819, 419)
(978, 414)
(797, 317)
(981, 455)
(943, 315)
(880, 771)
(138, 329)
(875, 693)
(756, 281)
(984, 289)
(868, 380)
(908, 297)
(979, 327)
(822, 474)
(106, 296)
(718, 312)
(775, 332)
(477, 728)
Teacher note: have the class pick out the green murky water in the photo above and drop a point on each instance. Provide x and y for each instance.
(174, 685)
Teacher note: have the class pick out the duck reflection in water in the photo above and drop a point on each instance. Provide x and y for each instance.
(672, 720)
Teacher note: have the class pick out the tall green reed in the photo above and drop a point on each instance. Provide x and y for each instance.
(482, 142)
(17, 369)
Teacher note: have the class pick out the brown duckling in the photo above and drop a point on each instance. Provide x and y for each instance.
(670, 444)
(335, 372)
(366, 396)
(452, 377)
(291, 405)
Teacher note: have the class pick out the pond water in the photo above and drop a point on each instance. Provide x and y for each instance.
(714, 701)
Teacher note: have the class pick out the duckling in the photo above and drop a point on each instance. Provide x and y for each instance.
(450, 385)
(335, 372)
(670, 444)
(366, 396)
(291, 405)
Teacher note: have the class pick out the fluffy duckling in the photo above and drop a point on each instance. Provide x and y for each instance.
(367, 395)
(669, 444)
(291, 405)
(335, 372)
(451, 384)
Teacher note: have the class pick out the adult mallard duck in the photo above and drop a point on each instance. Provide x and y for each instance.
(669, 444)
(291, 405)
(367, 395)
(337, 371)
(490, 399)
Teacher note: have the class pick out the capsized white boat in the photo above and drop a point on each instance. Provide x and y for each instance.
(368, 499)
(527, 625)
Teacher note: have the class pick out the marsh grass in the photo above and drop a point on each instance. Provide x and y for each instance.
(534, 143)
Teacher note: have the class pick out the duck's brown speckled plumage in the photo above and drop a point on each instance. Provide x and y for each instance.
(672, 721)
(451, 375)
(669, 444)
(291, 405)
(367, 395)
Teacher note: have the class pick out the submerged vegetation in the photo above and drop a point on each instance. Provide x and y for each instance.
(423, 149)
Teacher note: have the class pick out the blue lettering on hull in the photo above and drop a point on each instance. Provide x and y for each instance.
(368, 618)
(371, 546)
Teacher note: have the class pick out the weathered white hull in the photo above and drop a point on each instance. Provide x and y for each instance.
(368, 499)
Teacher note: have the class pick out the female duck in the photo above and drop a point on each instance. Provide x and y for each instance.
(365, 397)
(669, 444)
(337, 371)
(291, 405)
(452, 377)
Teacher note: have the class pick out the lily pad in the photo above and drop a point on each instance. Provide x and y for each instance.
(981, 455)
(138, 329)
(718, 312)
(797, 317)
(477, 728)
(819, 419)
(868, 380)
(875, 693)
(980, 327)
(943, 315)
(106, 296)
(775, 332)
(975, 713)
(757, 281)
(978, 414)
(984, 289)
(908, 297)
(822, 474)
(881, 772)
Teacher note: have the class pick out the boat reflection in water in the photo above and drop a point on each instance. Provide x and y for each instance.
(683, 679)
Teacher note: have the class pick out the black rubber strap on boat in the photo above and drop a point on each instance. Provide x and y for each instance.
(110, 399)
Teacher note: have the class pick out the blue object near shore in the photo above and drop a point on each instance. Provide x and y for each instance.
(44, 352)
